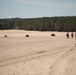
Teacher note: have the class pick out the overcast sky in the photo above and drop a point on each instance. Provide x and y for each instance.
(37, 8)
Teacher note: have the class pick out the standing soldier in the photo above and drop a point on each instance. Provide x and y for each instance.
(67, 35)
(72, 35)
(75, 34)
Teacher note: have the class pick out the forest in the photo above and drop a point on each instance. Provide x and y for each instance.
(62, 24)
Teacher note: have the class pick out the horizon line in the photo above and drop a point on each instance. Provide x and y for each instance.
(34, 17)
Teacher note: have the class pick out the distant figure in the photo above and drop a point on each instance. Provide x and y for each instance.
(75, 34)
(72, 35)
(67, 35)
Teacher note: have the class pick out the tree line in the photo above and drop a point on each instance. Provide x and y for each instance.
(67, 23)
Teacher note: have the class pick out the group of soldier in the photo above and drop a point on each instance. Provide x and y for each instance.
(72, 35)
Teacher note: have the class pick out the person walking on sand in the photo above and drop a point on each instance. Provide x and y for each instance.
(72, 35)
(75, 34)
(67, 35)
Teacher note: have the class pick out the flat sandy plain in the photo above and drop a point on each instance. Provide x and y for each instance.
(39, 54)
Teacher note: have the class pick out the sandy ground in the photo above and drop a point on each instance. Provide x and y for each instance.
(39, 54)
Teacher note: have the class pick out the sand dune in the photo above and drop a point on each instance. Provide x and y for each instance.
(39, 54)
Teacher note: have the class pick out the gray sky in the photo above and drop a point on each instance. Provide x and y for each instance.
(37, 8)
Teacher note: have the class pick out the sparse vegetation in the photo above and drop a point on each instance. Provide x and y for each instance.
(27, 35)
(42, 52)
(52, 34)
(5, 36)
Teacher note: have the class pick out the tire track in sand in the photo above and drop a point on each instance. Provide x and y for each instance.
(60, 66)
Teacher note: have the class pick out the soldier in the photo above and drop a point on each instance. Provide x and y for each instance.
(72, 35)
(75, 34)
(67, 35)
